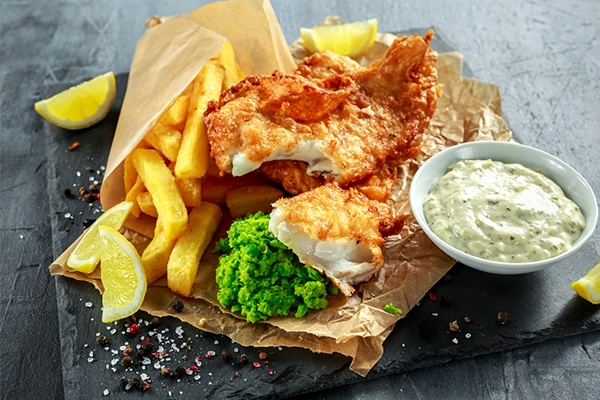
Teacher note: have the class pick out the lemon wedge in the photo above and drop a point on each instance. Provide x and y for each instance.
(86, 256)
(588, 287)
(123, 276)
(347, 39)
(80, 106)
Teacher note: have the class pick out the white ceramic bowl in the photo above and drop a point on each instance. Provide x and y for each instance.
(572, 183)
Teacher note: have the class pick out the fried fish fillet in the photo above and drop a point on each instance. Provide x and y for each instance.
(336, 231)
(344, 125)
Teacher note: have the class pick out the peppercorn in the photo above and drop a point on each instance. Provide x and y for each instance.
(134, 329)
(140, 352)
(244, 359)
(102, 340)
(144, 386)
(262, 355)
(166, 371)
(90, 170)
(237, 374)
(177, 306)
(123, 383)
(126, 361)
(136, 383)
(447, 278)
(446, 298)
(502, 317)
(148, 347)
(226, 355)
(179, 371)
(127, 350)
(453, 326)
(467, 320)
(67, 192)
(155, 321)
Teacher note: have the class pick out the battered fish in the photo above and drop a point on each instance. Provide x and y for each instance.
(345, 126)
(338, 232)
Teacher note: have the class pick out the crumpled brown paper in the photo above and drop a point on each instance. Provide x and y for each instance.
(357, 326)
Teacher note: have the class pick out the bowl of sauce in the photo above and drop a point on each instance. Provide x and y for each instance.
(503, 207)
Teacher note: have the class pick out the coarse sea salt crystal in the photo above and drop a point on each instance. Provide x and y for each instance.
(21, 236)
(88, 304)
(235, 349)
(68, 215)
(468, 335)
(179, 331)
(455, 341)
(144, 377)
(105, 392)
(114, 361)
(91, 359)
(146, 361)
(197, 377)
(216, 342)
(78, 173)
(157, 365)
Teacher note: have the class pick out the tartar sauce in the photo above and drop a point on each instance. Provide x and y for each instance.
(502, 212)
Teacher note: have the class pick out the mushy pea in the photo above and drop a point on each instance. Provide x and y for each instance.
(260, 277)
(502, 212)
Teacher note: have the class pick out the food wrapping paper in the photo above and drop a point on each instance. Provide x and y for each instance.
(167, 58)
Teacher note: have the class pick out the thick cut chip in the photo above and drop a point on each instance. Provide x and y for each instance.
(146, 204)
(176, 115)
(165, 139)
(122, 276)
(183, 263)
(161, 184)
(132, 196)
(214, 190)
(251, 199)
(86, 256)
(192, 160)
(156, 256)
(233, 72)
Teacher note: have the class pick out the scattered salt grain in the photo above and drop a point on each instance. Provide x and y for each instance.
(434, 314)
(21, 236)
(88, 304)
(78, 173)
(216, 342)
(157, 365)
(114, 361)
(144, 377)
(102, 167)
(468, 335)
(105, 392)
(279, 348)
(146, 361)
(113, 331)
(197, 377)
(179, 331)
(68, 215)
(455, 341)
(235, 349)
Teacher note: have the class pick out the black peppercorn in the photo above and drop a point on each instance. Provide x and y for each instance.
(136, 383)
(67, 192)
(123, 383)
(126, 361)
(155, 322)
(244, 359)
(502, 318)
(226, 355)
(177, 306)
(446, 298)
(102, 340)
(179, 371)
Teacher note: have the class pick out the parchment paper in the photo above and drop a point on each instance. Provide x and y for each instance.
(357, 326)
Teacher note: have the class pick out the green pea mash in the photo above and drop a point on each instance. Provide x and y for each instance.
(260, 277)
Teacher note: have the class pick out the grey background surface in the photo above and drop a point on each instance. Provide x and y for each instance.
(544, 56)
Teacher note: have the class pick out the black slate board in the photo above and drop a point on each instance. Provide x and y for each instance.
(540, 305)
